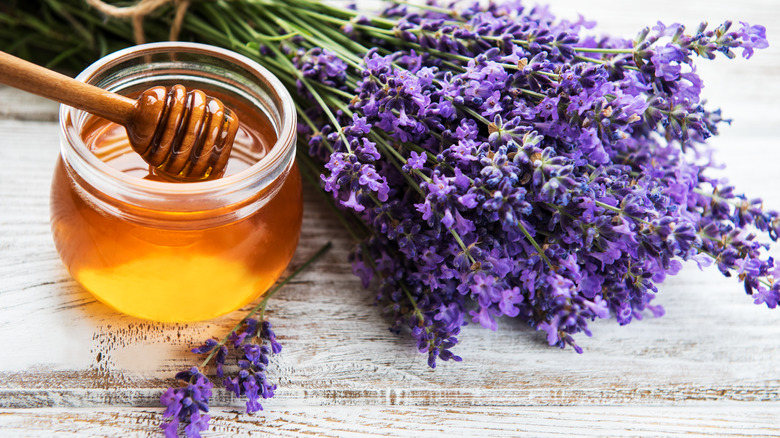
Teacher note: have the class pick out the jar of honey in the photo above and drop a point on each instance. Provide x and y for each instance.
(178, 251)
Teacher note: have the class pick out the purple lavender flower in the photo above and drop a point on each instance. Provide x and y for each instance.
(269, 334)
(667, 61)
(323, 66)
(252, 359)
(187, 404)
(416, 161)
(753, 37)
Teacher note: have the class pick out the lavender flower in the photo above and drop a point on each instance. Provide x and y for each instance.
(252, 359)
(252, 362)
(753, 37)
(187, 404)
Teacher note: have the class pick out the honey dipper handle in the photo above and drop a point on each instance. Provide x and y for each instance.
(35, 79)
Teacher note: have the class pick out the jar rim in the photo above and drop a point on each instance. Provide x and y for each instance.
(281, 153)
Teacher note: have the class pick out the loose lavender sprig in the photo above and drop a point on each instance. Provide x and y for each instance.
(189, 403)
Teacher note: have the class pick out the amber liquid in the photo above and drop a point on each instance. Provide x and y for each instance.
(175, 273)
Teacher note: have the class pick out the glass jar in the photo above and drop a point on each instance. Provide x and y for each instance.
(173, 251)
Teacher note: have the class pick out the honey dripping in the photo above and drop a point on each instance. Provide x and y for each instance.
(175, 274)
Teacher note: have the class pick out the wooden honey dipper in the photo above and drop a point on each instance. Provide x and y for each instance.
(185, 135)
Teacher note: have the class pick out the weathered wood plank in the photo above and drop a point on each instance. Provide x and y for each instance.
(288, 421)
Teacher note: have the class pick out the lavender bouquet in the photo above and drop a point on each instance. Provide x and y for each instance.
(489, 160)
(496, 161)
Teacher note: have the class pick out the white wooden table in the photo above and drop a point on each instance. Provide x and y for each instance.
(71, 367)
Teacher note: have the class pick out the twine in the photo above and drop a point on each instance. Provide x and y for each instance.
(140, 10)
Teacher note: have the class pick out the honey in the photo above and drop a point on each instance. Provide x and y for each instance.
(177, 251)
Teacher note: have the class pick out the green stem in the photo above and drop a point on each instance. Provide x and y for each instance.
(315, 94)
(425, 7)
(344, 12)
(604, 50)
(525, 43)
(620, 210)
(416, 310)
(337, 91)
(535, 244)
(601, 61)
(318, 39)
(336, 35)
(64, 55)
(75, 24)
(532, 93)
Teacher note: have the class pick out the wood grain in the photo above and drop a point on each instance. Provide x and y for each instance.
(732, 420)
(711, 366)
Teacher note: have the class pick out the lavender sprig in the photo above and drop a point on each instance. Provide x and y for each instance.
(189, 403)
